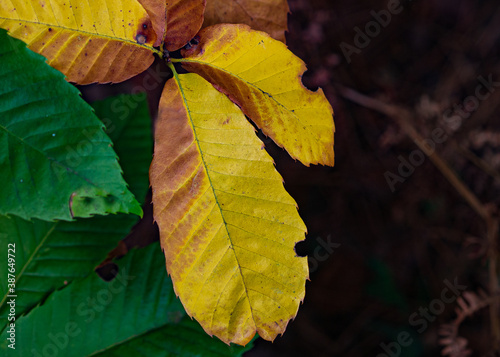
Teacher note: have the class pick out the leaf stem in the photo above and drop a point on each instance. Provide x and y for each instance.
(172, 68)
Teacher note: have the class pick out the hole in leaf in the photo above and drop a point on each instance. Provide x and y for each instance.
(108, 271)
(301, 248)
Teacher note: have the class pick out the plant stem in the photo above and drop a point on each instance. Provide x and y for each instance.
(403, 117)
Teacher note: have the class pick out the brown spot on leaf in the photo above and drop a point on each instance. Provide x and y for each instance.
(141, 39)
(145, 32)
(71, 204)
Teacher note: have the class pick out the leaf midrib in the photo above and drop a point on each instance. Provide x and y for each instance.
(28, 262)
(118, 39)
(48, 158)
(176, 76)
(291, 112)
(131, 338)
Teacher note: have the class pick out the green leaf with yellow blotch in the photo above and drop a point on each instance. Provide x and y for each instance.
(50, 255)
(227, 226)
(56, 161)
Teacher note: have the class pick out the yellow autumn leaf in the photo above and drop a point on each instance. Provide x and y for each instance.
(270, 16)
(263, 78)
(227, 226)
(89, 41)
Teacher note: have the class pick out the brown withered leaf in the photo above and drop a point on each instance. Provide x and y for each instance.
(184, 20)
(264, 15)
(157, 11)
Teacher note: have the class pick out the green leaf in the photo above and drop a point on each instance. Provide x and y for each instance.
(186, 338)
(55, 159)
(137, 312)
(128, 124)
(50, 255)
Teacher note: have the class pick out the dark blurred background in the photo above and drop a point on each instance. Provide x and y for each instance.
(378, 256)
(386, 241)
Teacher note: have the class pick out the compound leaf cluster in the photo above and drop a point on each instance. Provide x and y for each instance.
(227, 226)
